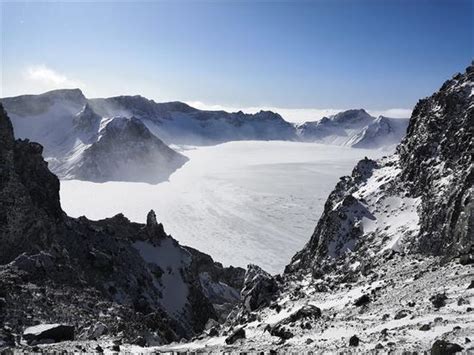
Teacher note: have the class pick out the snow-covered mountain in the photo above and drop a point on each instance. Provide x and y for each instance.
(354, 128)
(81, 144)
(69, 127)
(179, 123)
(126, 150)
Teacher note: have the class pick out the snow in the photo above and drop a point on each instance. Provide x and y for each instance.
(37, 329)
(394, 216)
(218, 289)
(171, 259)
(261, 198)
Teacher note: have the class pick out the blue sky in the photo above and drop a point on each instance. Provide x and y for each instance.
(300, 54)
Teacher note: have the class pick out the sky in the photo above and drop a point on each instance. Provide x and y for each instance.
(303, 59)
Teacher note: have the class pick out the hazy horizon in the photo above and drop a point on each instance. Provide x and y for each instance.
(302, 59)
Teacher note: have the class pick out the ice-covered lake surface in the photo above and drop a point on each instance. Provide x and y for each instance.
(241, 202)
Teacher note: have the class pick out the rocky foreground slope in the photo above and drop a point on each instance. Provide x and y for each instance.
(110, 277)
(390, 264)
(388, 268)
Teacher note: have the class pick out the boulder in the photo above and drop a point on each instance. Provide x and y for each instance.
(425, 327)
(236, 335)
(354, 340)
(279, 330)
(400, 314)
(305, 312)
(438, 300)
(362, 300)
(48, 333)
(442, 347)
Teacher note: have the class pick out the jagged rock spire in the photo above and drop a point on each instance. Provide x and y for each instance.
(154, 228)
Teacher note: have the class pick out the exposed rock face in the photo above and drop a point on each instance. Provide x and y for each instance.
(127, 151)
(133, 278)
(259, 287)
(436, 162)
(87, 124)
(419, 200)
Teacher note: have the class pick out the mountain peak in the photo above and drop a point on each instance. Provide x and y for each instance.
(353, 116)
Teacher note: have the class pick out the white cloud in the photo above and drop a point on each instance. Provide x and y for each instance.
(300, 114)
(48, 77)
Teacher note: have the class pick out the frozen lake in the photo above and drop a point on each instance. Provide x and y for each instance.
(241, 202)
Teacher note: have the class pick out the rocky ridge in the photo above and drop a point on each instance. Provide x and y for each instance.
(132, 281)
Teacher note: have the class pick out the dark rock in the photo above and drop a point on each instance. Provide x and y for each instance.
(259, 288)
(462, 301)
(280, 330)
(442, 347)
(471, 285)
(47, 332)
(7, 339)
(213, 332)
(425, 327)
(140, 341)
(438, 300)
(466, 259)
(305, 312)
(236, 335)
(400, 314)
(354, 341)
(115, 347)
(362, 300)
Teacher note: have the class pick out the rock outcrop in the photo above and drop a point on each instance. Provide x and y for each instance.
(418, 200)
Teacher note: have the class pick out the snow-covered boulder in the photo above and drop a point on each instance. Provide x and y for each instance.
(48, 333)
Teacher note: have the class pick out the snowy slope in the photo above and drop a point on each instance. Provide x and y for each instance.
(355, 128)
